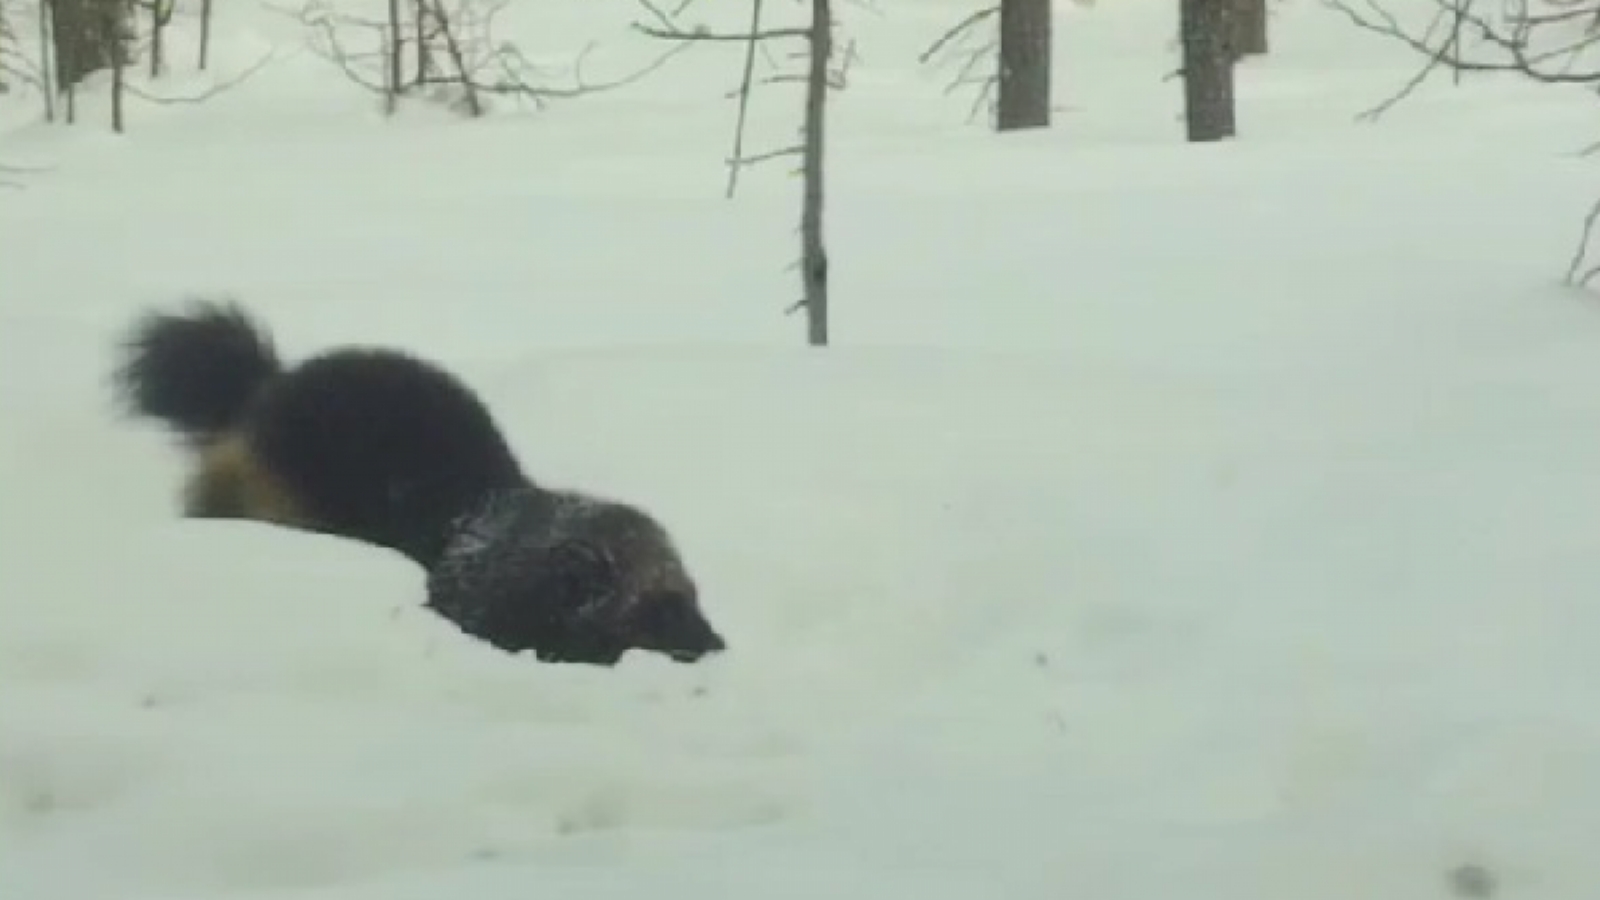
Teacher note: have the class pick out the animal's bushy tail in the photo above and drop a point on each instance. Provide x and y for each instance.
(195, 369)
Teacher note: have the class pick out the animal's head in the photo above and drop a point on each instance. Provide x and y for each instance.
(610, 581)
(665, 621)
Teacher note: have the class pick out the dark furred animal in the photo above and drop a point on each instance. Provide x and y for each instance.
(381, 447)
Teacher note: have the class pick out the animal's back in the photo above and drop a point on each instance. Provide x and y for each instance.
(381, 446)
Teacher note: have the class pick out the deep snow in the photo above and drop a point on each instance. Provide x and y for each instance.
(1168, 521)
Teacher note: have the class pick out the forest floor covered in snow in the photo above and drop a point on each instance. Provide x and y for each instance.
(1166, 521)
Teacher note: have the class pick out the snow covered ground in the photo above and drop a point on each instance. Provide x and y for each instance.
(1167, 522)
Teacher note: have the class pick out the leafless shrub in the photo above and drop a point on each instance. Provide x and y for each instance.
(447, 52)
(1553, 42)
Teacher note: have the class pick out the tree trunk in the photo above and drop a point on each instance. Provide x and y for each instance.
(205, 33)
(47, 65)
(90, 35)
(813, 254)
(158, 50)
(396, 45)
(458, 58)
(1208, 28)
(424, 61)
(1250, 36)
(1024, 65)
(119, 76)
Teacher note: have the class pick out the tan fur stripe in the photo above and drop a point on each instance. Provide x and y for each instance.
(229, 482)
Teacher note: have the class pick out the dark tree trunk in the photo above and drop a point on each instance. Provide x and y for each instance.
(119, 76)
(424, 63)
(47, 63)
(90, 35)
(1024, 65)
(397, 45)
(159, 17)
(205, 33)
(813, 252)
(1208, 29)
(1250, 37)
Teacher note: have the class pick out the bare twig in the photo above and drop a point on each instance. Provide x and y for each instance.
(513, 83)
(957, 30)
(1559, 45)
(1434, 61)
(708, 35)
(755, 159)
(668, 29)
(1527, 43)
(969, 59)
(467, 58)
(457, 56)
(208, 93)
(1577, 272)
(667, 20)
(737, 160)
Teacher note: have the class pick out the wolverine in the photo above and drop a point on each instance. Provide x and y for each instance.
(380, 446)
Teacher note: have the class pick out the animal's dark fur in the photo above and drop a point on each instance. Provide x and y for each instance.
(197, 372)
(378, 446)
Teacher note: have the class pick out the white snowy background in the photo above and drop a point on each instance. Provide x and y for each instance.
(1167, 522)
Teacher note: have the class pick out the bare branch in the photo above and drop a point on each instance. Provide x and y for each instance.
(1528, 44)
(1576, 272)
(755, 40)
(737, 160)
(668, 28)
(208, 93)
(1435, 60)
(667, 21)
(457, 54)
(1555, 47)
(956, 31)
(956, 40)
(758, 158)
(705, 34)
(514, 82)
